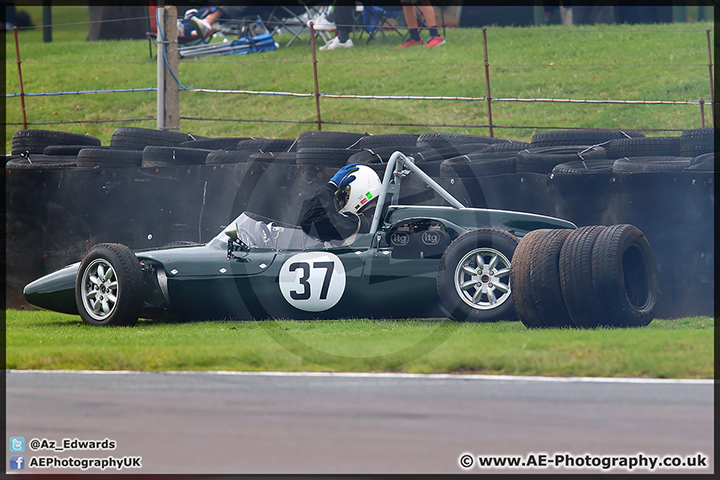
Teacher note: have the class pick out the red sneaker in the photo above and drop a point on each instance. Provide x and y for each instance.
(434, 42)
(411, 43)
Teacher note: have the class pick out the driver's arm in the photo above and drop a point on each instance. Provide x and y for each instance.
(322, 221)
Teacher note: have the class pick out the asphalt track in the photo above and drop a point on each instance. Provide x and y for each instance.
(224, 422)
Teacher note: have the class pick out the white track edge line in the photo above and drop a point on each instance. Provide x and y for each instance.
(435, 376)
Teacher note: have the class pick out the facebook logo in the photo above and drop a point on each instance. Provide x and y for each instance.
(17, 444)
(17, 462)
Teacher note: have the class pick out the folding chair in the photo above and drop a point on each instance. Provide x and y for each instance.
(378, 19)
(296, 24)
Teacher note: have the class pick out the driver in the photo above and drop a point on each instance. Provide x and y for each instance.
(343, 207)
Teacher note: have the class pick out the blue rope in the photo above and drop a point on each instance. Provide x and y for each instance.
(162, 38)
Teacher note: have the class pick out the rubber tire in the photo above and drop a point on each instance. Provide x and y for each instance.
(220, 143)
(389, 140)
(129, 276)
(109, 158)
(703, 163)
(479, 164)
(512, 146)
(41, 162)
(575, 267)
(642, 147)
(440, 140)
(544, 159)
(651, 164)
(587, 167)
(579, 137)
(262, 145)
(450, 301)
(219, 157)
(535, 279)
(35, 141)
(322, 139)
(336, 157)
(283, 158)
(625, 276)
(153, 156)
(136, 138)
(697, 141)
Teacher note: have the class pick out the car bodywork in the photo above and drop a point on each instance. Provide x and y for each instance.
(260, 268)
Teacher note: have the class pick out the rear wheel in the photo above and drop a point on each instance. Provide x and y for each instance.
(109, 286)
(474, 276)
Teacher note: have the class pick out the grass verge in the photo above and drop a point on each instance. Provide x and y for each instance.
(680, 348)
(603, 62)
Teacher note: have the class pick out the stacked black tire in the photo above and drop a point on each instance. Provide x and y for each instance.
(594, 276)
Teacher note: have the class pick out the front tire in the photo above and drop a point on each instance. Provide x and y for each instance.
(109, 286)
(474, 276)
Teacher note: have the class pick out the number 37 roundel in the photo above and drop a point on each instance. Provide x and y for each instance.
(312, 281)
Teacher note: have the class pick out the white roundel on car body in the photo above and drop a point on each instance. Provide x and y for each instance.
(312, 281)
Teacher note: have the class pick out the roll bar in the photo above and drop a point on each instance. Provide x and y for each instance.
(395, 169)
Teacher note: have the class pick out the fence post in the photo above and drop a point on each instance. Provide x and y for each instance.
(487, 80)
(172, 89)
(22, 90)
(315, 73)
(702, 113)
(47, 21)
(712, 83)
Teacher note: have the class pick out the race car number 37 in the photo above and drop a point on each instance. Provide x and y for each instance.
(312, 281)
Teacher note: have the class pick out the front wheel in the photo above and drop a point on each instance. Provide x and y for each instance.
(474, 276)
(109, 286)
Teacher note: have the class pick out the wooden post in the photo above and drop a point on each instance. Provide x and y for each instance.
(172, 63)
(22, 90)
(317, 85)
(487, 80)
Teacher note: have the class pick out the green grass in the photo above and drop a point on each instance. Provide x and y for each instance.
(616, 62)
(681, 348)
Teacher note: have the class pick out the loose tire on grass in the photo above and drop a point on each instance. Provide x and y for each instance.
(109, 286)
(473, 279)
(624, 276)
(575, 267)
(535, 279)
(35, 141)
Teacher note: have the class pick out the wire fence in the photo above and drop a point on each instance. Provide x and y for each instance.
(487, 99)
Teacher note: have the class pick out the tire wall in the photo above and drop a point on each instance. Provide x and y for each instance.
(54, 216)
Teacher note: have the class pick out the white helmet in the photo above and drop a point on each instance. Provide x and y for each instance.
(359, 192)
